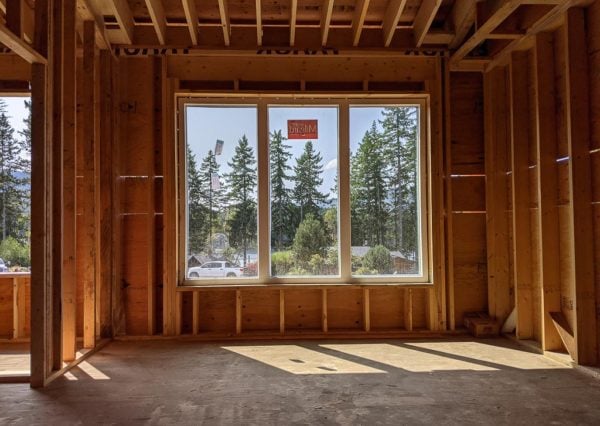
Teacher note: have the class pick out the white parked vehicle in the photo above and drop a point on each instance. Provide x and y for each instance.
(216, 268)
(3, 267)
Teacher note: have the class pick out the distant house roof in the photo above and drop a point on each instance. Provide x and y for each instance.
(361, 251)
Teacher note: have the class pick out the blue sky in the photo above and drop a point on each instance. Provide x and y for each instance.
(16, 111)
(206, 124)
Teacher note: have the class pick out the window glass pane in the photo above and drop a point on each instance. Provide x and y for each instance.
(221, 183)
(384, 190)
(304, 202)
(15, 184)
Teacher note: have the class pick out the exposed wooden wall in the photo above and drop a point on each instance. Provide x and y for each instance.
(542, 167)
(147, 84)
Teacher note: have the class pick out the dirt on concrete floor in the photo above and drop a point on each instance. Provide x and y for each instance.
(392, 382)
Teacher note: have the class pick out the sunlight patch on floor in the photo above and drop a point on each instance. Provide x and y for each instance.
(14, 364)
(405, 358)
(91, 371)
(299, 360)
(489, 353)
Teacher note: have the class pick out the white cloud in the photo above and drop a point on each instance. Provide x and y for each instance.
(331, 165)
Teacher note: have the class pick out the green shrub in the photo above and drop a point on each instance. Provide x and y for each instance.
(11, 250)
(281, 262)
(310, 239)
(378, 259)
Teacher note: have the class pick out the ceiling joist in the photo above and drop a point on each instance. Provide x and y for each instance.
(124, 18)
(225, 23)
(462, 18)
(391, 18)
(424, 19)
(497, 11)
(259, 31)
(358, 20)
(159, 20)
(326, 12)
(191, 17)
(293, 13)
(87, 12)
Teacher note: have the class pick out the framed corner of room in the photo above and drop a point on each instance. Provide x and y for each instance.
(263, 103)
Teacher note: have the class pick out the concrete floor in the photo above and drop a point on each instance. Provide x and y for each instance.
(350, 382)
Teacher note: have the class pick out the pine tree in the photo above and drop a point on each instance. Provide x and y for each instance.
(281, 205)
(308, 179)
(197, 212)
(241, 184)
(368, 191)
(400, 136)
(14, 192)
(211, 195)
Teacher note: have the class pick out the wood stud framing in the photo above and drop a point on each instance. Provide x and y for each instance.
(521, 249)
(547, 214)
(89, 199)
(580, 180)
(522, 104)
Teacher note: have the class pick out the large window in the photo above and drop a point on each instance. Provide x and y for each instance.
(15, 193)
(303, 192)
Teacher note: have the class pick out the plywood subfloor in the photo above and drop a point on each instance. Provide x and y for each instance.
(371, 382)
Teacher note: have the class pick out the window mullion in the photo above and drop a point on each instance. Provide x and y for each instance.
(264, 232)
(344, 193)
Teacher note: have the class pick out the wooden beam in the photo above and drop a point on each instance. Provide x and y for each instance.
(580, 181)
(448, 169)
(293, 13)
(196, 313)
(547, 214)
(408, 310)
(124, 18)
(191, 17)
(462, 16)
(225, 23)
(358, 21)
(281, 311)
(519, 120)
(19, 46)
(87, 12)
(554, 16)
(324, 311)
(326, 12)
(366, 309)
(105, 253)
(69, 173)
(88, 200)
(170, 227)
(424, 19)
(499, 10)
(238, 312)
(41, 199)
(159, 20)
(390, 21)
(56, 53)
(438, 37)
(259, 29)
(496, 125)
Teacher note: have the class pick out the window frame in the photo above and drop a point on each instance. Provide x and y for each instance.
(344, 103)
